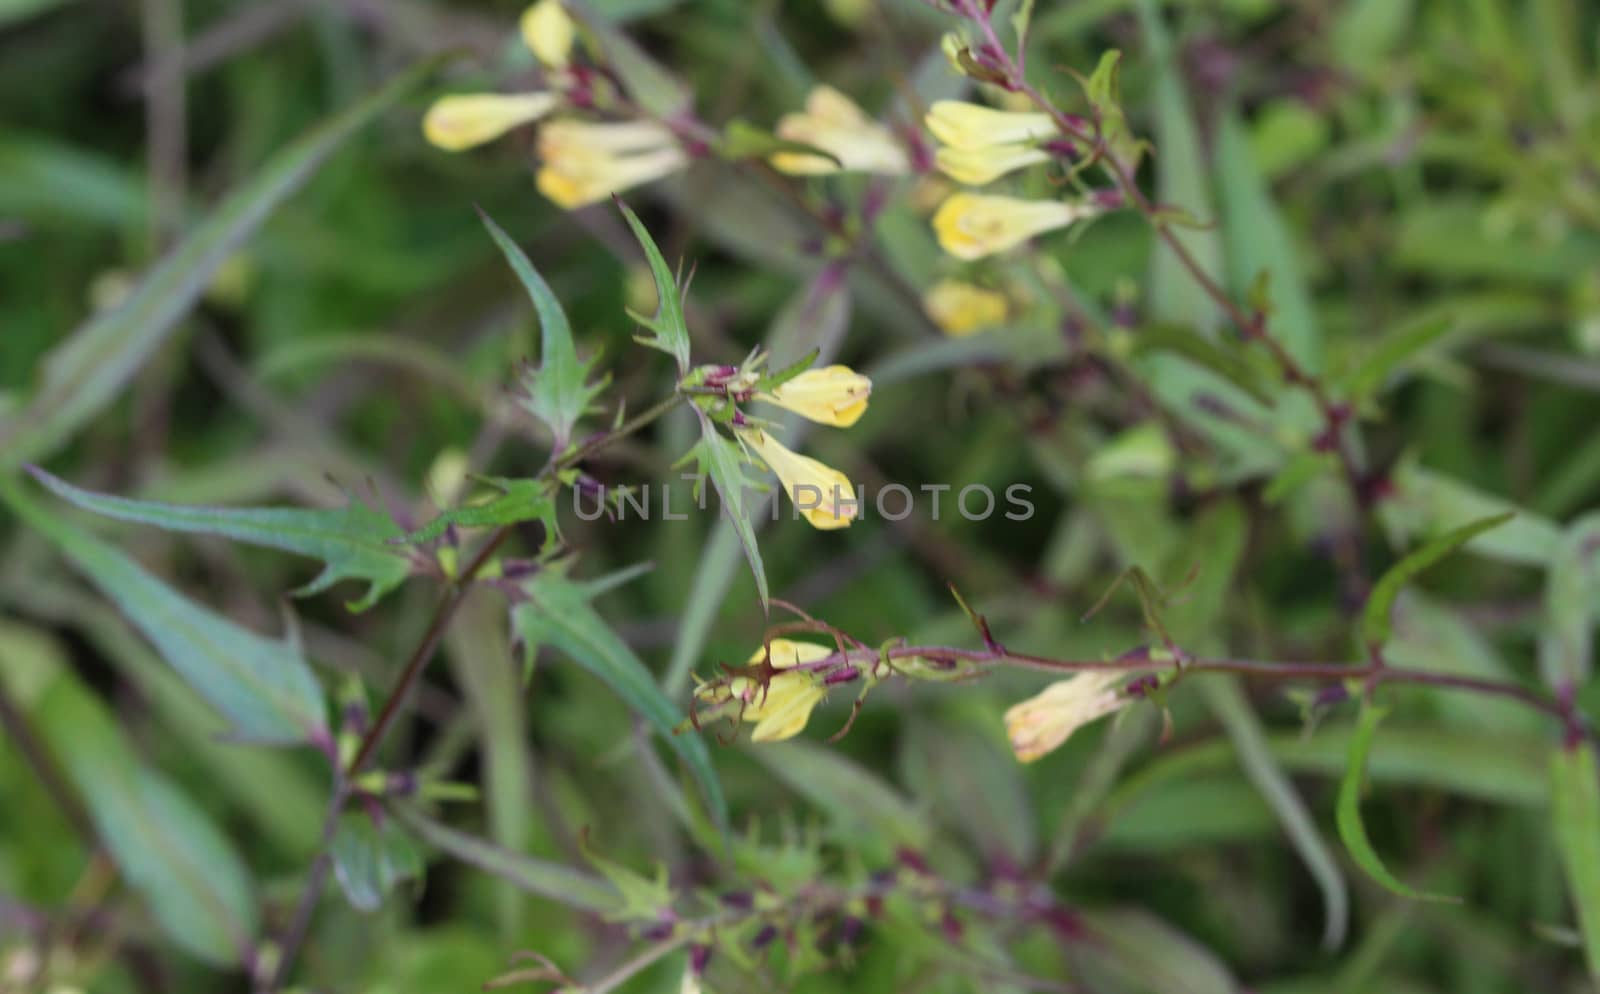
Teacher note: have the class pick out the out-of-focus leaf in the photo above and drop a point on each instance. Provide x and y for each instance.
(557, 613)
(1104, 93)
(369, 859)
(1432, 636)
(81, 375)
(1450, 239)
(722, 460)
(354, 541)
(163, 844)
(1367, 30)
(1182, 181)
(1259, 241)
(1575, 803)
(1375, 618)
(974, 784)
(519, 501)
(557, 391)
(670, 329)
(650, 85)
(1397, 348)
(1185, 341)
(1351, 828)
(1427, 504)
(563, 884)
(41, 178)
(1131, 949)
(1572, 606)
(263, 687)
(855, 799)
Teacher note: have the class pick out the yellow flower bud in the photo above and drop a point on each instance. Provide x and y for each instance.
(464, 121)
(833, 123)
(548, 31)
(959, 309)
(971, 226)
(964, 125)
(835, 395)
(584, 163)
(822, 494)
(1043, 722)
(981, 166)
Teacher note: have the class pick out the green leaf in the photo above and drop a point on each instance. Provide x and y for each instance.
(1351, 828)
(671, 330)
(1185, 341)
(1427, 503)
(88, 369)
(262, 686)
(1375, 619)
(563, 884)
(1104, 94)
(723, 461)
(519, 501)
(556, 391)
(1396, 349)
(1258, 241)
(1575, 803)
(353, 541)
(858, 802)
(556, 612)
(1572, 606)
(167, 849)
(369, 859)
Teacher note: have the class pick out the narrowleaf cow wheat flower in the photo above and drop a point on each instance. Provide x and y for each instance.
(981, 166)
(548, 31)
(972, 225)
(832, 122)
(1041, 723)
(822, 494)
(960, 309)
(584, 162)
(462, 121)
(834, 395)
(970, 126)
(781, 708)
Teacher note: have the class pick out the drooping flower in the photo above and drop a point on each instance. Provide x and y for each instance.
(973, 126)
(466, 120)
(585, 162)
(981, 166)
(822, 494)
(959, 309)
(972, 225)
(548, 31)
(1041, 723)
(832, 122)
(781, 708)
(833, 395)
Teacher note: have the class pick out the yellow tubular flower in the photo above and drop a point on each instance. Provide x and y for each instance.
(821, 494)
(970, 126)
(835, 395)
(585, 163)
(833, 123)
(980, 166)
(461, 122)
(971, 225)
(1043, 722)
(548, 31)
(781, 708)
(959, 309)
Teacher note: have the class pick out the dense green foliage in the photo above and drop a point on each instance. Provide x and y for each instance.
(319, 670)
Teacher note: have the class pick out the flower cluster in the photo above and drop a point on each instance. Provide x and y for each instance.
(833, 395)
(770, 691)
(581, 161)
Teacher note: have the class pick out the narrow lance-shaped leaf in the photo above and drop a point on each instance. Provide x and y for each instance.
(1575, 798)
(722, 460)
(87, 370)
(1351, 828)
(1572, 606)
(163, 844)
(671, 330)
(353, 541)
(1375, 619)
(519, 501)
(262, 686)
(1398, 347)
(556, 612)
(556, 391)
